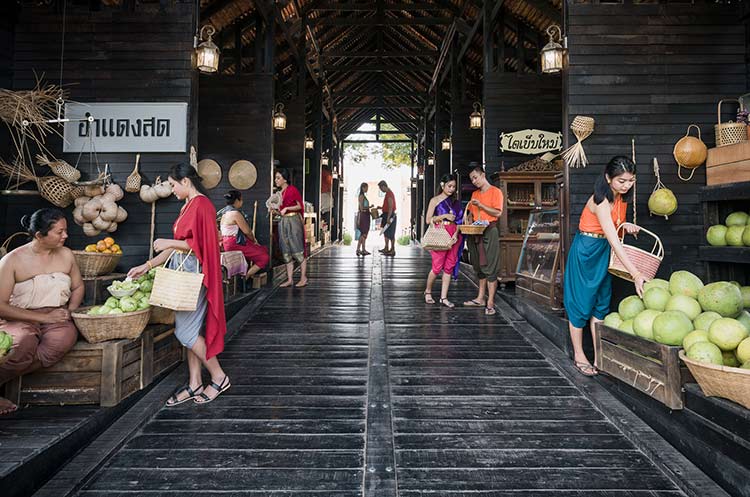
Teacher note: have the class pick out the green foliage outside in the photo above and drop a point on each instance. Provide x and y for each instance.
(404, 240)
(394, 155)
(347, 239)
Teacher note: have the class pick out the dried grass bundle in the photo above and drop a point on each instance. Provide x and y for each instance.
(582, 127)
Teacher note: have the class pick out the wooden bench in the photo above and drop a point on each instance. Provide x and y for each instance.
(100, 373)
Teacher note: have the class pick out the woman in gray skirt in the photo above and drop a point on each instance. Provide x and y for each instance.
(291, 228)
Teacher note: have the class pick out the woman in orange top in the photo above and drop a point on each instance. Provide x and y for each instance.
(588, 285)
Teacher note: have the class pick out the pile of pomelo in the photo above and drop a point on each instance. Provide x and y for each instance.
(711, 322)
(735, 232)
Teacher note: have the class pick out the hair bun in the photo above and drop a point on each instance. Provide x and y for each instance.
(26, 221)
(228, 196)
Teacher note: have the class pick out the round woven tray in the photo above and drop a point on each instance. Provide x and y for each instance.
(97, 329)
(721, 381)
(94, 263)
(471, 229)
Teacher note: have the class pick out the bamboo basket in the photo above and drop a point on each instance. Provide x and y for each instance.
(646, 262)
(55, 190)
(176, 289)
(374, 212)
(133, 183)
(94, 263)
(97, 329)
(60, 168)
(730, 132)
(721, 381)
(6, 244)
(470, 229)
(160, 315)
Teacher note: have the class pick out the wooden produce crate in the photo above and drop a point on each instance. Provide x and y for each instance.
(652, 368)
(728, 164)
(91, 373)
(159, 352)
(96, 288)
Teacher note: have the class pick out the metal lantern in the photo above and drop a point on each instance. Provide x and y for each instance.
(430, 161)
(335, 173)
(475, 119)
(207, 53)
(279, 118)
(554, 56)
(420, 175)
(309, 142)
(324, 160)
(445, 144)
(414, 182)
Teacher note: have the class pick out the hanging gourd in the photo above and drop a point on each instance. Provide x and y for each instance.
(662, 201)
(689, 152)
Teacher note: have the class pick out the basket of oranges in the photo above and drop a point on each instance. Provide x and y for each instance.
(98, 258)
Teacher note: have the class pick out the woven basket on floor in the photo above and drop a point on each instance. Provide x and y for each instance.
(721, 381)
(94, 263)
(97, 329)
(645, 262)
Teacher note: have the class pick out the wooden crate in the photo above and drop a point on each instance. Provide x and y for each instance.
(728, 164)
(652, 368)
(96, 288)
(159, 352)
(91, 373)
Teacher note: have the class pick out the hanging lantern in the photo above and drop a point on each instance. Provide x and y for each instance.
(279, 118)
(430, 161)
(309, 142)
(445, 144)
(324, 160)
(207, 53)
(475, 119)
(414, 182)
(335, 173)
(554, 56)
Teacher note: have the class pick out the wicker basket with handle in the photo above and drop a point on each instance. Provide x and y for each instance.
(721, 381)
(730, 132)
(133, 183)
(6, 244)
(470, 229)
(60, 168)
(97, 328)
(55, 190)
(176, 289)
(645, 262)
(95, 263)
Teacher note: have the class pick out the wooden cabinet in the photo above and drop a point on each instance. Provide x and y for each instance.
(525, 190)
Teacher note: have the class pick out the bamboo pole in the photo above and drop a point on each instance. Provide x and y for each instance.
(255, 215)
(153, 225)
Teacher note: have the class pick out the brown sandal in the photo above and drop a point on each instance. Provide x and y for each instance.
(585, 369)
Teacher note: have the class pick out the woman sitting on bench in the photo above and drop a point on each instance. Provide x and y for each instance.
(39, 285)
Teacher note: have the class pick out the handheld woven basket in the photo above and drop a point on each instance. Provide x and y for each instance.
(721, 381)
(645, 262)
(133, 183)
(94, 263)
(374, 212)
(176, 289)
(97, 329)
(160, 315)
(729, 133)
(470, 229)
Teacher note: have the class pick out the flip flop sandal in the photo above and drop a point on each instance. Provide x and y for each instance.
(585, 369)
(447, 303)
(489, 311)
(173, 399)
(205, 399)
(473, 303)
(428, 299)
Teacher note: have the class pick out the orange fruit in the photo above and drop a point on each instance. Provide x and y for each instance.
(109, 241)
(106, 251)
(115, 249)
(101, 246)
(90, 248)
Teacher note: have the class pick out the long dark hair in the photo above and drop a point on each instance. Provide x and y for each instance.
(184, 170)
(361, 191)
(615, 167)
(232, 196)
(443, 180)
(286, 174)
(41, 221)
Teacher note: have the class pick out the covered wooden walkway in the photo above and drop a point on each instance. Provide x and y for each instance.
(354, 387)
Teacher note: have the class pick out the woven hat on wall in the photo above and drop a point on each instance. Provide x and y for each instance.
(243, 175)
(210, 172)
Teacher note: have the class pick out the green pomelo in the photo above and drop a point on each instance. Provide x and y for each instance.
(685, 283)
(627, 327)
(736, 283)
(746, 365)
(688, 305)
(630, 307)
(671, 327)
(656, 283)
(746, 236)
(727, 333)
(745, 291)
(738, 218)
(730, 359)
(744, 318)
(662, 202)
(734, 236)
(706, 352)
(656, 298)
(704, 320)
(613, 320)
(694, 337)
(743, 351)
(717, 235)
(722, 297)
(643, 324)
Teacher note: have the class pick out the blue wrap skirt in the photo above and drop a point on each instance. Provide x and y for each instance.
(587, 284)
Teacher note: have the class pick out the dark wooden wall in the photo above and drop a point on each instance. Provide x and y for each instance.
(235, 124)
(466, 143)
(513, 102)
(647, 72)
(111, 55)
(289, 144)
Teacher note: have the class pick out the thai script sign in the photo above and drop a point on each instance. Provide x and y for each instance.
(530, 141)
(126, 127)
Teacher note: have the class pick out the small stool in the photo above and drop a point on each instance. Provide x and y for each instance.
(260, 280)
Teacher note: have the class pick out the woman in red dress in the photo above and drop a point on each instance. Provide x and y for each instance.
(291, 228)
(237, 235)
(197, 245)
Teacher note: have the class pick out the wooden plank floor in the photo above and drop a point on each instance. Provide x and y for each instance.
(353, 386)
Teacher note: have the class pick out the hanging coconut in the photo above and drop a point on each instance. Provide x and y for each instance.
(662, 201)
(689, 152)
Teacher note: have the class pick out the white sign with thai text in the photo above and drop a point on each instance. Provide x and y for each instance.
(126, 127)
(530, 141)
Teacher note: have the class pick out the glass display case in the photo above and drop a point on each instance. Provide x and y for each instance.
(538, 275)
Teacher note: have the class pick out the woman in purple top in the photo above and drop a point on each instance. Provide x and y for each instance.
(444, 208)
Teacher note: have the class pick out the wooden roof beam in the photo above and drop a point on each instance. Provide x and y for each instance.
(383, 55)
(379, 68)
(373, 21)
(546, 9)
(445, 46)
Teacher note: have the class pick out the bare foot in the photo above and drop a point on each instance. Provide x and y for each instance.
(286, 284)
(301, 283)
(6, 406)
